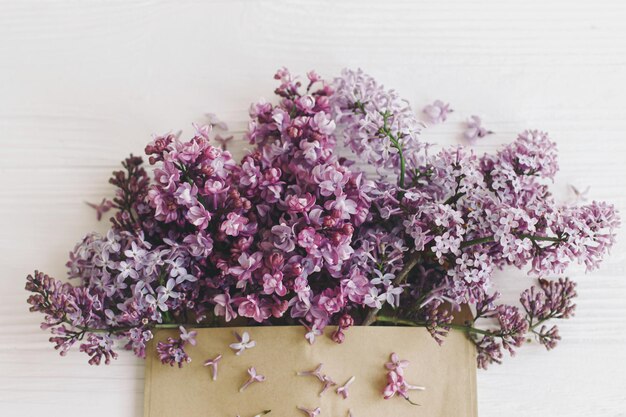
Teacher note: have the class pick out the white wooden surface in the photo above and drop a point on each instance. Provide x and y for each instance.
(83, 83)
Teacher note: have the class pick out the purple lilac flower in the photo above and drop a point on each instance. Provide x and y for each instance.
(396, 383)
(104, 206)
(437, 112)
(376, 123)
(297, 232)
(172, 352)
(475, 129)
(188, 337)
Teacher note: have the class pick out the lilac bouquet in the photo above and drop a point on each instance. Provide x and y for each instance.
(294, 233)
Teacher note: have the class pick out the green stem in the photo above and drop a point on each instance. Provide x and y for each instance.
(542, 238)
(460, 327)
(477, 241)
(402, 164)
(396, 144)
(488, 239)
(151, 327)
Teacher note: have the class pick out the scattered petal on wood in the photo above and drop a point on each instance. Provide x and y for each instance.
(310, 413)
(343, 390)
(213, 364)
(254, 377)
(243, 343)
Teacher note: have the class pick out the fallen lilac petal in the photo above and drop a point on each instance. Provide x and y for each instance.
(317, 373)
(262, 413)
(101, 208)
(327, 384)
(343, 390)
(254, 377)
(215, 121)
(223, 141)
(414, 387)
(396, 364)
(437, 112)
(243, 344)
(475, 129)
(310, 413)
(188, 336)
(579, 196)
(213, 364)
(312, 332)
(203, 130)
(396, 384)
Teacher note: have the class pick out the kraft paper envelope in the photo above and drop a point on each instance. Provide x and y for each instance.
(448, 372)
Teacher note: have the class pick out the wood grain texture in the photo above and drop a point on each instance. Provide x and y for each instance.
(83, 83)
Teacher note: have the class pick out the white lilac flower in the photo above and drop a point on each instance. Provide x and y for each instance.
(312, 333)
(243, 343)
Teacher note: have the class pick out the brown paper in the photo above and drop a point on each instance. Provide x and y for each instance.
(448, 372)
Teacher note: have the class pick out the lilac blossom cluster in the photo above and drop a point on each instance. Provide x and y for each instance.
(294, 233)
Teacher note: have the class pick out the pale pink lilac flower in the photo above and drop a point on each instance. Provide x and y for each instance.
(437, 112)
(247, 265)
(101, 208)
(580, 196)
(216, 122)
(203, 130)
(317, 373)
(243, 343)
(343, 390)
(310, 413)
(223, 307)
(327, 383)
(199, 217)
(396, 364)
(234, 224)
(312, 333)
(252, 306)
(189, 337)
(396, 384)
(475, 129)
(254, 377)
(213, 364)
